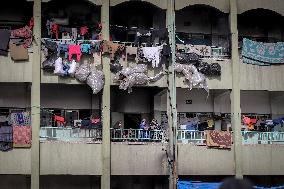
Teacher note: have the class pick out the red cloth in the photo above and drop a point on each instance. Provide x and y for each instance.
(84, 30)
(22, 136)
(25, 33)
(54, 29)
(75, 49)
(59, 119)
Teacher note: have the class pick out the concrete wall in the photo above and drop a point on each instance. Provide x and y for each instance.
(73, 159)
(263, 160)
(17, 161)
(198, 160)
(68, 97)
(11, 71)
(138, 159)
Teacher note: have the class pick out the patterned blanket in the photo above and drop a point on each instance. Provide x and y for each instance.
(22, 136)
(218, 139)
(262, 53)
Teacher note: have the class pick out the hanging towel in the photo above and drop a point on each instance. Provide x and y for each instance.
(22, 136)
(18, 52)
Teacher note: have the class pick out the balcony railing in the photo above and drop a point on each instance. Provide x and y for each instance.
(140, 135)
(254, 137)
(70, 134)
(189, 136)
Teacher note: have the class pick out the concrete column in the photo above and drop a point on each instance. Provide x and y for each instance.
(106, 156)
(171, 97)
(235, 94)
(35, 96)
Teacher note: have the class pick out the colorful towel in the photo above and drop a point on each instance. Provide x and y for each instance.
(22, 136)
(264, 53)
(218, 139)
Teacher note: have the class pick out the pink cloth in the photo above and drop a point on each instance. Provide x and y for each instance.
(22, 136)
(75, 49)
(84, 30)
(25, 33)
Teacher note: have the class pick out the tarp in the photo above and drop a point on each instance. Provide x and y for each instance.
(212, 185)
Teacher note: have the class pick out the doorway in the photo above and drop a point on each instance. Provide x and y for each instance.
(132, 121)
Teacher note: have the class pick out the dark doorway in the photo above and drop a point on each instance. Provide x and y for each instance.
(132, 121)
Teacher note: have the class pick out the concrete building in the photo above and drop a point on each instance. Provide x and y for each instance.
(56, 160)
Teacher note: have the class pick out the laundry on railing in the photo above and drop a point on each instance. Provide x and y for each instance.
(218, 139)
(260, 53)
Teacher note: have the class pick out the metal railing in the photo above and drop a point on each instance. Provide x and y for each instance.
(255, 137)
(138, 135)
(191, 136)
(70, 134)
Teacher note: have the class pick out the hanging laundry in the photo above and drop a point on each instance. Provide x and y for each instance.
(96, 80)
(86, 48)
(114, 49)
(6, 138)
(83, 72)
(25, 33)
(63, 48)
(218, 139)
(152, 54)
(18, 52)
(97, 58)
(75, 50)
(22, 136)
(54, 30)
(260, 53)
(72, 68)
(131, 51)
(74, 33)
(58, 67)
(4, 41)
(96, 46)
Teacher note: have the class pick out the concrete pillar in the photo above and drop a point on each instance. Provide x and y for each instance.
(106, 156)
(235, 94)
(35, 96)
(171, 97)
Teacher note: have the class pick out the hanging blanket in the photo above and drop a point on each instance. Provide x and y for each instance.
(6, 138)
(262, 53)
(218, 139)
(22, 136)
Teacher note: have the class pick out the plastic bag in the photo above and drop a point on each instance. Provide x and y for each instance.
(193, 77)
(215, 69)
(49, 64)
(58, 67)
(115, 67)
(204, 68)
(96, 80)
(83, 72)
(72, 68)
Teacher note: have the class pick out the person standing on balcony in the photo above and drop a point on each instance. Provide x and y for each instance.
(143, 125)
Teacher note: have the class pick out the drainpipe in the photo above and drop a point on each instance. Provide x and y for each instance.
(171, 98)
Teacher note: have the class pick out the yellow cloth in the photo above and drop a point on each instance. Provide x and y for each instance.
(210, 123)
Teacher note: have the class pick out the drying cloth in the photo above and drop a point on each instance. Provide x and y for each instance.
(218, 139)
(6, 134)
(22, 136)
(97, 58)
(58, 67)
(271, 53)
(153, 54)
(25, 33)
(4, 40)
(18, 52)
